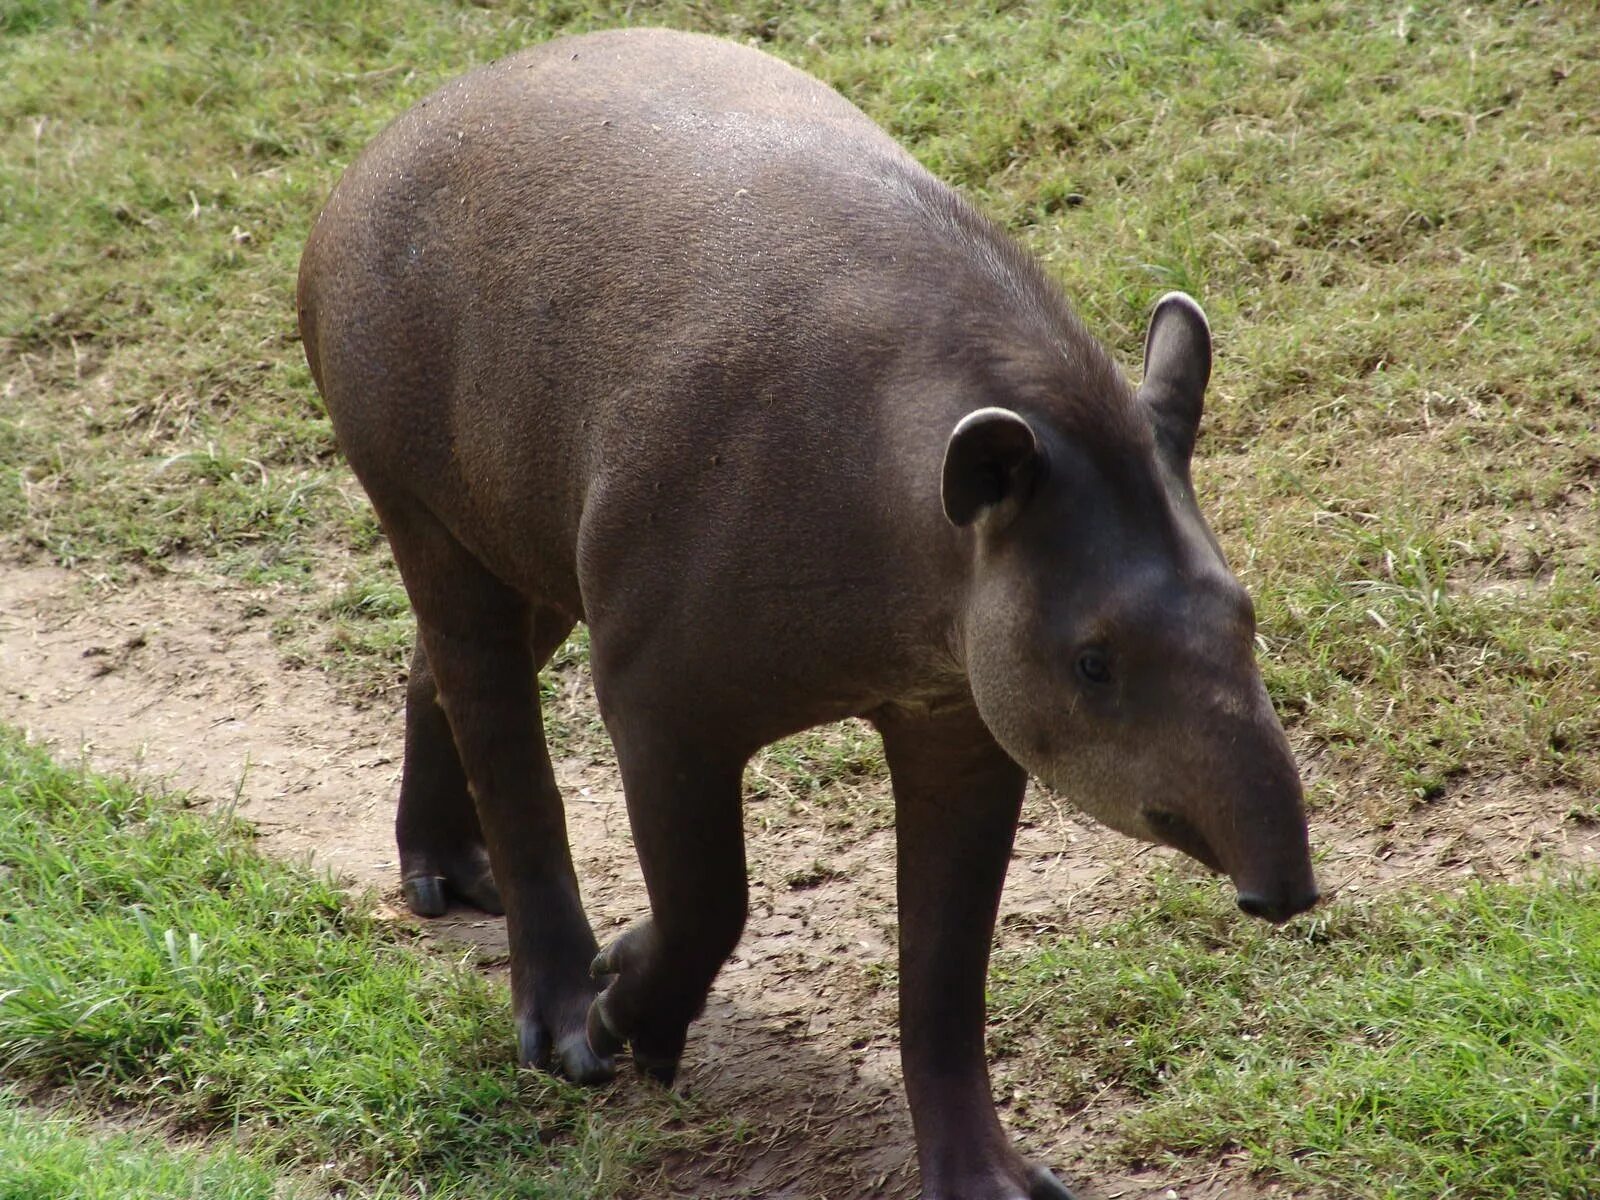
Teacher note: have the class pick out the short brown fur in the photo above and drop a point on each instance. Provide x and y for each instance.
(652, 331)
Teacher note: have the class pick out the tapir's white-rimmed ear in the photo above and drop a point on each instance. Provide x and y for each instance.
(1177, 367)
(989, 464)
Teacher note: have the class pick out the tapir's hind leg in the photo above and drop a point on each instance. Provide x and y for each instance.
(442, 851)
(684, 809)
(481, 640)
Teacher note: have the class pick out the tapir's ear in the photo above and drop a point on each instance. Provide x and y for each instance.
(1177, 367)
(989, 464)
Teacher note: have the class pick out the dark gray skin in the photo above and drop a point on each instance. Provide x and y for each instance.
(652, 331)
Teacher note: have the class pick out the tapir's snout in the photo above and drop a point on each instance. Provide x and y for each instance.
(1281, 907)
(1277, 901)
(1272, 868)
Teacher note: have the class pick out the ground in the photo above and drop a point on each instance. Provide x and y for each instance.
(179, 680)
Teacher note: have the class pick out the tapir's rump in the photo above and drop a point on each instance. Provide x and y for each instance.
(652, 331)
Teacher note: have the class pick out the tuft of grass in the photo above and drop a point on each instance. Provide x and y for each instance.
(369, 633)
(149, 957)
(48, 1155)
(1418, 1046)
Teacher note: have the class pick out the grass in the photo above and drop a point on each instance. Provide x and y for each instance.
(150, 961)
(47, 1156)
(149, 958)
(1417, 1047)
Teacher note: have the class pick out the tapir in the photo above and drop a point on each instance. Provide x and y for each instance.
(652, 331)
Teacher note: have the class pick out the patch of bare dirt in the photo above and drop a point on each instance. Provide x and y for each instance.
(177, 680)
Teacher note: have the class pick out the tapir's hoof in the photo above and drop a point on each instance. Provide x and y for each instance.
(425, 895)
(573, 1058)
(429, 895)
(1043, 1185)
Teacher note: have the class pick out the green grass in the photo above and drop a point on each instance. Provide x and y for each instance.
(151, 961)
(1417, 1047)
(53, 1157)
(149, 957)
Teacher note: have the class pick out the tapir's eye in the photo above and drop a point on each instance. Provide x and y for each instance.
(1094, 666)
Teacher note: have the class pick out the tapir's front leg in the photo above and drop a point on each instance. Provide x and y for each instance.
(682, 790)
(957, 797)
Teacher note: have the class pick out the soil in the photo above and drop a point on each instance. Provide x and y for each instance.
(177, 680)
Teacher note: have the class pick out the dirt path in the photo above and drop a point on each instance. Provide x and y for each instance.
(175, 680)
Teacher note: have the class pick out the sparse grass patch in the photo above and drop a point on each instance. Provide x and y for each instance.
(370, 632)
(825, 773)
(1418, 1046)
(148, 956)
(572, 724)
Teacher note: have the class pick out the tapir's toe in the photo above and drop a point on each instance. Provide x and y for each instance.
(425, 895)
(603, 963)
(1043, 1185)
(581, 1063)
(571, 1055)
(428, 893)
(533, 1045)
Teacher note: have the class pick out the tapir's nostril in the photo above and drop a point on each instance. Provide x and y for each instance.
(1278, 909)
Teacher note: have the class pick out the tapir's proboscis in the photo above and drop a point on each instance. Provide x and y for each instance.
(651, 331)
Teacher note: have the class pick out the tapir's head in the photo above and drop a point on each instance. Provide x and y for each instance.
(1110, 649)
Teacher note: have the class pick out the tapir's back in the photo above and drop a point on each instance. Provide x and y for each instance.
(642, 264)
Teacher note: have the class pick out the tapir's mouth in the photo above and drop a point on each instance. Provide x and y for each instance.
(1278, 910)
(1275, 905)
(1179, 833)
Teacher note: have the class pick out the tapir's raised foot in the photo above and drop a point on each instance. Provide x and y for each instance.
(625, 1013)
